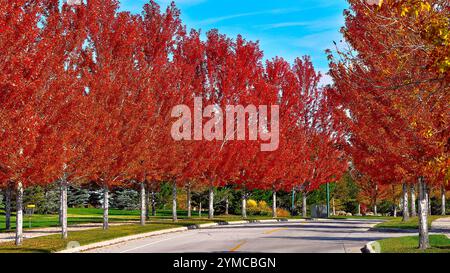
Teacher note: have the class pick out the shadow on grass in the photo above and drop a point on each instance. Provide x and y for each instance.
(22, 250)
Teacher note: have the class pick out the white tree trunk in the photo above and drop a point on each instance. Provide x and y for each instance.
(413, 200)
(19, 214)
(405, 207)
(443, 212)
(211, 203)
(174, 202)
(244, 205)
(8, 196)
(143, 205)
(63, 213)
(412, 190)
(188, 201)
(375, 209)
(200, 209)
(395, 210)
(304, 205)
(227, 206)
(60, 216)
(153, 203)
(274, 204)
(147, 203)
(424, 242)
(105, 207)
(429, 201)
(359, 209)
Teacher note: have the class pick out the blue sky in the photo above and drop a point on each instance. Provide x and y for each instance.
(285, 28)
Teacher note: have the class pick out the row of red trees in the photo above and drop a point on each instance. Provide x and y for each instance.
(391, 95)
(87, 94)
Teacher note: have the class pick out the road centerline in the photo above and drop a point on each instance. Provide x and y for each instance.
(274, 230)
(238, 246)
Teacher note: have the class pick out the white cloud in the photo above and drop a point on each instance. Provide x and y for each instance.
(327, 23)
(244, 14)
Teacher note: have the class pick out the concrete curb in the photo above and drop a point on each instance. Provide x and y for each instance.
(369, 248)
(122, 239)
(394, 230)
(173, 230)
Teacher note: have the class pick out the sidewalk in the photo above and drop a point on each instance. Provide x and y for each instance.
(38, 232)
(441, 225)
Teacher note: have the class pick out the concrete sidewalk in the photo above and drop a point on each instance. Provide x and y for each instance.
(441, 225)
(38, 232)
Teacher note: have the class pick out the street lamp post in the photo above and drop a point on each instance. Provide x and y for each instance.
(328, 200)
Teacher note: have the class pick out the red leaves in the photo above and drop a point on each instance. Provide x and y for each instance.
(91, 98)
(392, 108)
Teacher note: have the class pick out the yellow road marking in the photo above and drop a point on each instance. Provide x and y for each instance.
(238, 246)
(274, 230)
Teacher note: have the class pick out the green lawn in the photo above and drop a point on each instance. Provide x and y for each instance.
(364, 217)
(439, 244)
(412, 223)
(92, 215)
(75, 216)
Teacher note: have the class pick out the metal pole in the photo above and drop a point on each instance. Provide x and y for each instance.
(328, 200)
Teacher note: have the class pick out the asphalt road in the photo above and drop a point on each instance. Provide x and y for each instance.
(331, 236)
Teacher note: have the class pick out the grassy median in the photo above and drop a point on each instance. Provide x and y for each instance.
(412, 223)
(439, 244)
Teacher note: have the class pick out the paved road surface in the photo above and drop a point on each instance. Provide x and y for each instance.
(335, 236)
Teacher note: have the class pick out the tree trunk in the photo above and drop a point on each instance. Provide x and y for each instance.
(274, 204)
(443, 212)
(211, 203)
(244, 205)
(424, 242)
(395, 210)
(60, 216)
(304, 204)
(359, 209)
(200, 209)
(19, 214)
(375, 209)
(105, 207)
(405, 203)
(413, 200)
(227, 205)
(8, 196)
(334, 207)
(429, 201)
(147, 203)
(153, 203)
(63, 213)
(188, 201)
(143, 203)
(174, 202)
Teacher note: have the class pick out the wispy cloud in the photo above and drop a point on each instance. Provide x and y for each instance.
(326, 23)
(181, 2)
(245, 14)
